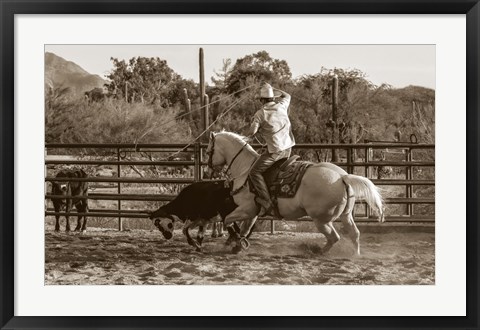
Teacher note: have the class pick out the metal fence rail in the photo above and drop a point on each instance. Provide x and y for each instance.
(115, 154)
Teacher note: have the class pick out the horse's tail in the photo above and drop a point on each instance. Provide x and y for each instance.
(365, 189)
(350, 199)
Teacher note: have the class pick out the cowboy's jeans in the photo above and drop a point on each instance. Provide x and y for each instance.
(262, 164)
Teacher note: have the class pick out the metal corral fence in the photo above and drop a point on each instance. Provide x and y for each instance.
(404, 171)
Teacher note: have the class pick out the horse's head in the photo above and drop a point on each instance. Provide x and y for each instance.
(216, 156)
(163, 221)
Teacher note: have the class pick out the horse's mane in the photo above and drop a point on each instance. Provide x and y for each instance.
(238, 137)
(235, 135)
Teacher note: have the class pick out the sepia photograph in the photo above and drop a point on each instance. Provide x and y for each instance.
(239, 164)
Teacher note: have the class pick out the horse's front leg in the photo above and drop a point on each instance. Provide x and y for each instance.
(239, 214)
(233, 233)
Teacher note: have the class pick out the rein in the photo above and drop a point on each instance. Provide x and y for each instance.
(212, 150)
(235, 157)
(210, 164)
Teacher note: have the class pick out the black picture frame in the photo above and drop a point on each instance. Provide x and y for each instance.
(10, 8)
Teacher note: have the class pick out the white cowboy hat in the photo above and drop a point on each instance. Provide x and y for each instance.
(267, 92)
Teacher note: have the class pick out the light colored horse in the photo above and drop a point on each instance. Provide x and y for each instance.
(326, 192)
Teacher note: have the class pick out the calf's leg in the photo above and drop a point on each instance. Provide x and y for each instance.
(67, 217)
(56, 206)
(81, 208)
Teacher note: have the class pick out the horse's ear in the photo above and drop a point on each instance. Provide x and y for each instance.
(212, 135)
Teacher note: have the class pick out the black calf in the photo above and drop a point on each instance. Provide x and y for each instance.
(70, 188)
(196, 205)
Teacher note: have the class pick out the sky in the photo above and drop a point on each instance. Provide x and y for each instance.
(397, 65)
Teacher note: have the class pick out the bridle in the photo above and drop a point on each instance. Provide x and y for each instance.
(212, 150)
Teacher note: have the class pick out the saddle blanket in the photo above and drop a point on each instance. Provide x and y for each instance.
(285, 183)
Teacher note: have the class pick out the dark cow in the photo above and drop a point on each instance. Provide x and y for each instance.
(196, 205)
(70, 188)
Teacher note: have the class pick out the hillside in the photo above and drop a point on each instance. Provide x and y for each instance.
(60, 72)
(414, 93)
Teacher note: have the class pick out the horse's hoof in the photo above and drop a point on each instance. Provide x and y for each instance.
(214, 235)
(244, 243)
(198, 249)
(221, 235)
(57, 230)
(236, 249)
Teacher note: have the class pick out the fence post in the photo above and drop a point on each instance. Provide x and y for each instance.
(367, 173)
(197, 167)
(119, 190)
(200, 160)
(45, 172)
(206, 105)
(201, 79)
(272, 227)
(409, 186)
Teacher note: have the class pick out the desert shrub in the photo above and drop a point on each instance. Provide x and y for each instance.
(112, 121)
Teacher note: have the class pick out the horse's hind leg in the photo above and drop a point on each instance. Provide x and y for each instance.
(330, 233)
(351, 228)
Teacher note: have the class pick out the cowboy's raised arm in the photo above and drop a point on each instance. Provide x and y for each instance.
(285, 100)
(285, 95)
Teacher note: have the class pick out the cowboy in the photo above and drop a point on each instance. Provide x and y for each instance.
(273, 124)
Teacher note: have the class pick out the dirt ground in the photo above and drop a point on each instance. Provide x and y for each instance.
(137, 257)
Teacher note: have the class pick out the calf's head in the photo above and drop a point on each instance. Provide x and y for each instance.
(60, 188)
(163, 221)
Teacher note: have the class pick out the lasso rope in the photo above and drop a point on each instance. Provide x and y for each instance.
(213, 123)
(204, 106)
(191, 111)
